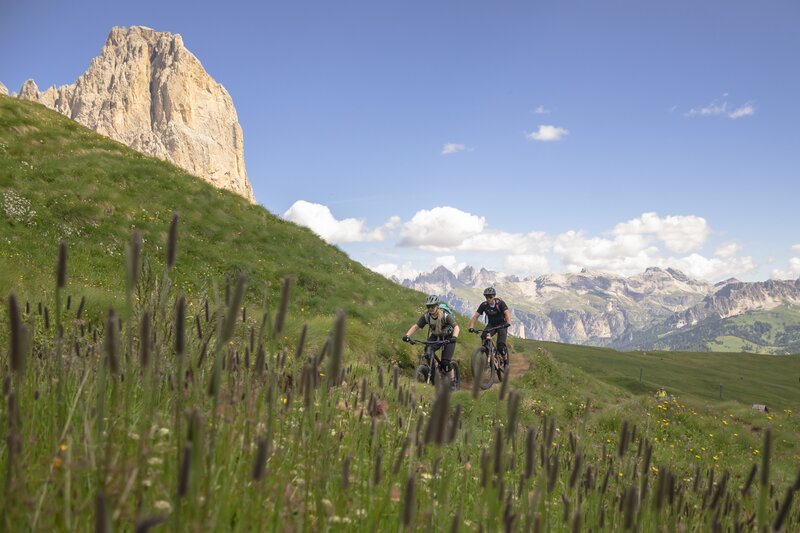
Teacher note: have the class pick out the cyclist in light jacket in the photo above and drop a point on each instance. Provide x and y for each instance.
(441, 326)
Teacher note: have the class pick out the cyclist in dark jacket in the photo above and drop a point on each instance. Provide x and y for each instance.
(441, 325)
(497, 314)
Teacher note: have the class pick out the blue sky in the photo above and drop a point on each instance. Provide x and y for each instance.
(525, 137)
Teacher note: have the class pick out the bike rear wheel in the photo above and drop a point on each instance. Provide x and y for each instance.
(500, 369)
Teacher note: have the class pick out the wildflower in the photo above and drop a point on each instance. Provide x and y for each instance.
(716, 458)
(697, 456)
(163, 505)
(725, 422)
(57, 462)
(155, 461)
(63, 447)
(163, 432)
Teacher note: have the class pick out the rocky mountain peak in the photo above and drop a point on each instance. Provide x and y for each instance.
(146, 90)
(3, 89)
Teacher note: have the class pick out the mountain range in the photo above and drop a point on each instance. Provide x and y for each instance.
(660, 309)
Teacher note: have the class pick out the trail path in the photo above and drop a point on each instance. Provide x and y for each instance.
(520, 364)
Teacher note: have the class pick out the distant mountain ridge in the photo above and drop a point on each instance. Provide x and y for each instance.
(634, 312)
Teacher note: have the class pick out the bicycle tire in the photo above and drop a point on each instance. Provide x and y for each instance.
(486, 376)
(456, 375)
(500, 369)
(422, 373)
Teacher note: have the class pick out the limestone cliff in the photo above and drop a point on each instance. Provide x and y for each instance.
(146, 90)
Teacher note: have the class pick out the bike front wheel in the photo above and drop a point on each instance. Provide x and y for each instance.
(423, 374)
(456, 375)
(485, 375)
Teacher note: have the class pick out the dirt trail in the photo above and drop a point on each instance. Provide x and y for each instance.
(519, 366)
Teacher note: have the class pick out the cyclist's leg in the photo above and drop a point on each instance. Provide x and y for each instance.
(502, 334)
(447, 367)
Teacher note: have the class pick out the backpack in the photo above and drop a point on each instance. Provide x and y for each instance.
(446, 310)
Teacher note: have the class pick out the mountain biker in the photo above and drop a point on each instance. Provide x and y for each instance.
(497, 314)
(441, 326)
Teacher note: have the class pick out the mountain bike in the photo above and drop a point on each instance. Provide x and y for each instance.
(492, 361)
(430, 363)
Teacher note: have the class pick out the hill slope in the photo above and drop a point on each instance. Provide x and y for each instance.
(59, 180)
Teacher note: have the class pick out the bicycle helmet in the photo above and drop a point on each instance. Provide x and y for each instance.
(432, 300)
(489, 291)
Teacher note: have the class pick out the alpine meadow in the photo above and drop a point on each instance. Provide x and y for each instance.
(177, 358)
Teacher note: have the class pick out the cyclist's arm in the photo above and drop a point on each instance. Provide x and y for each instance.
(507, 314)
(473, 320)
(413, 329)
(455, 331)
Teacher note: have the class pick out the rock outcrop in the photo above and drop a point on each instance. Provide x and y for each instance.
(146, 90)
(3, 89)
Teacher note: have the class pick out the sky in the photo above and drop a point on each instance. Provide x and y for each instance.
(525, 137)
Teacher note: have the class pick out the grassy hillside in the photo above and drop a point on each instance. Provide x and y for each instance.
(744, 378)
(60, 181)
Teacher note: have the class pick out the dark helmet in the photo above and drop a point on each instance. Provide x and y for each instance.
(489, 291)
(432, 300)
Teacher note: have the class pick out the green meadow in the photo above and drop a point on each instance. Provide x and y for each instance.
(173, 358)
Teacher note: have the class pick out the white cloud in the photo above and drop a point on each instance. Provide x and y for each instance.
(713, 269)
(632, 248)
(547, 132)
(679, 234)
(450, 263)
(452, 148)
(440, 229)
(527, 264)
(493, 240)
(716, 108)
(728, 249)
(625, 254)
(793, 272)
(401, 272)
(319, 219)
(542, 110)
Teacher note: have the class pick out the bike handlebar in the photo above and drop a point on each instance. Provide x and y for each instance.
(489, 330)
(430, 343)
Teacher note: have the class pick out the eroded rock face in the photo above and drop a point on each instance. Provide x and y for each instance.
(146, 90)
(3, 89)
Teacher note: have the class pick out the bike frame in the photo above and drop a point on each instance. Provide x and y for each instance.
(492, 354)
(430, 354)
